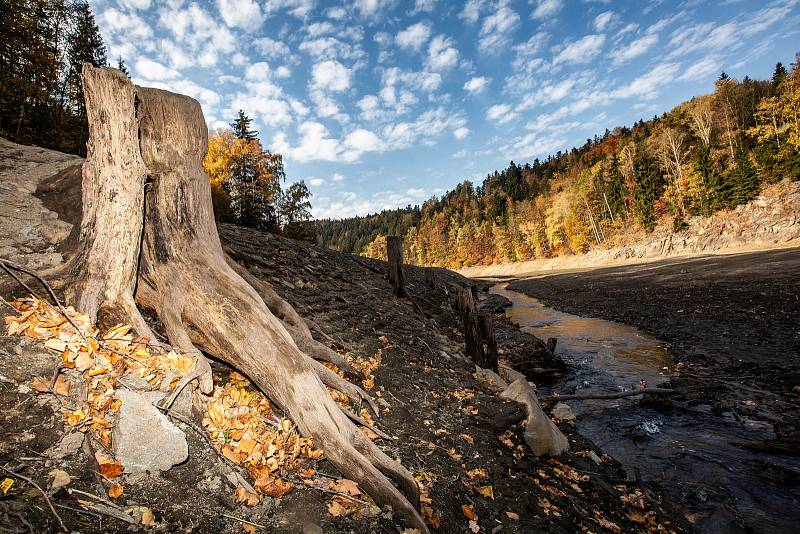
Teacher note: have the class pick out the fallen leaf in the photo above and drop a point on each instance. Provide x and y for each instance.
(486, 491)
(115, 491)
(248, 528)
(148, 519)
(474, 527)
(84, 361)
(60, 479)
(477, 473)
(40, 384)
(6, 484)
(62, 385)
(109, 467)
(469, 511)
(512, 515)
(344, 485)
(278, 488)
(55, 344)
(336, 509)
(245, 497)
(467, 437)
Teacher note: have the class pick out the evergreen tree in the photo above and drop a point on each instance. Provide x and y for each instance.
(121, 66)
(779, 74)
(241, 127)
(294, 205)
(744, 180)
(713, 198)
(644, 193)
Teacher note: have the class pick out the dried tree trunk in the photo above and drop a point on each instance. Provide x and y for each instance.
(394, 255)
(541, 434)
(486, 325)
(469, 322)
(102, 273)
(186, 279)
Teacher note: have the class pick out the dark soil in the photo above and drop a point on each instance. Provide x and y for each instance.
(731, 321)
(422, 368)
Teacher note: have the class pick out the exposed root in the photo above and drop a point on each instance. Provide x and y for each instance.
(332, 380)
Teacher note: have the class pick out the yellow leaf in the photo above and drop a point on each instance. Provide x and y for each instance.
(148, 519)
(55, 344)
(486, 491)
(336, 509)
(512, 515)
(469, 511)
(245, 497)
(6, 484)
(60, 479)
(115, 491)
(109, 467)
(477, 473)
(83, 361)
(467, 437)
(76, 417)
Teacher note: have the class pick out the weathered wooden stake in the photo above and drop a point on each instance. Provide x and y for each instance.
(487, 333)
(551, 345)
(469, 321)
(430, 277)
(394, 255)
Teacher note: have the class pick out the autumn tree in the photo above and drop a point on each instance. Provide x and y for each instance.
(294, 212)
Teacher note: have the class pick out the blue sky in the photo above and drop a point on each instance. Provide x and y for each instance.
(382, 103)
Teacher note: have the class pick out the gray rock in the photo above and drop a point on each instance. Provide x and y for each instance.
(144, 438)
(68, 446)
(490, 376)
(562, 412)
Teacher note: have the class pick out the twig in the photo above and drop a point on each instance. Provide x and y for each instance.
(361, 421)
(44, 495)
(7, 264)
(328, 491)
(93, 496)
(18, 279)
(600, 396)
(243, 520)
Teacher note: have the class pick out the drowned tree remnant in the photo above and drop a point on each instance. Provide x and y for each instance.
(148, 238)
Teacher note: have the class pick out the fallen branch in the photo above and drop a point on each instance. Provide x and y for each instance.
(44, 495)
(601, 396)
(245, 521)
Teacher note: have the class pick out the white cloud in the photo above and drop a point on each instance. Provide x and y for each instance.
(315, 144)
(414, 36)
(336, 13)
(701, 70)
(647, 85)
(359, 141)
(476, 85)
(272, 48)
(582, 50)
(424, 6)
(500, 113)
(602, 20)
(136, 4)
(472, 10)
(153, 70)
(442, 54)
(368, 8)
(297, 8)
(635, 48)
(547, 8)
(496, 29)
(338, 177)
(331, 48)
(331, 75)
(316, 182)
(461, 133)
(244, 14)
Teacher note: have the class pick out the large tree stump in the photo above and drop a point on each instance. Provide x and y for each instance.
(186, 279)
(473, 347)
(490, 355)
(394, 256)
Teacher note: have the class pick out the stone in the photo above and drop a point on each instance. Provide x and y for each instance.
(68, 446)
(144, 438)
(487, 375)
(541, 434)
(562, 412)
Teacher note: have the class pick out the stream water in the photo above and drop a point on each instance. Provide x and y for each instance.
(696, 455)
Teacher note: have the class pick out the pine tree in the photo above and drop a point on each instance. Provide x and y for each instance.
(713, 197)
(121, 66)
(644, 193)
(241, 127)
(744, 180)
(779, 74)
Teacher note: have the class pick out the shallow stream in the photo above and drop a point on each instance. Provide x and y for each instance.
(694, 454)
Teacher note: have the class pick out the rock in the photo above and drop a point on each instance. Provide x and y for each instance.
(144, 438)
(541, 434)
(55, 231)
(593, 457)
(562, 412)
(487, 375)
(68, 446)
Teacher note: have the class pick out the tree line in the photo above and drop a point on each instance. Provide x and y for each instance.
(708, 154)
(43, 47)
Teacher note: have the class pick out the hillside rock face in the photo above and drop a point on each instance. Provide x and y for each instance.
(29, 232)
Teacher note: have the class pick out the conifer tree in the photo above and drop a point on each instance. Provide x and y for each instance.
(644, 193)
(744, 181)
(241, 127)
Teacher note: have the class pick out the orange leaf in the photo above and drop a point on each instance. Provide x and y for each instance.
(486, 491)
(40, 384)
(468, 511)
(115, 491)
(62, 385)
(512, 515)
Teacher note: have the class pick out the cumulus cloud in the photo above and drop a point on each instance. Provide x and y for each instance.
(414, 36)
(153, 70)
(331, 75)
(244, 14)
(476, 85)
(581, 51)
(461, 133)
(500, 113)
(547, 8)
(442, 53)
(496, 29)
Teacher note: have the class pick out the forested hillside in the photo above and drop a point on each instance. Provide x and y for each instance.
(705, 155)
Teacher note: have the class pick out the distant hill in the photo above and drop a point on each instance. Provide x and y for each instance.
(711, 153)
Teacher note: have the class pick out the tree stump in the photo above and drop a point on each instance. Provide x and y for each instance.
(186, 279)
(469, 322)
(486, 324)
(394, 255)
(430, 277)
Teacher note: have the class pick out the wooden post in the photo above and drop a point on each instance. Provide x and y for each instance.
(394, 255)
(551, 345)
(469, 321)
(430, 277)
(487, 333)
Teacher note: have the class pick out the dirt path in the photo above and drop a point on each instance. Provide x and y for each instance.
(732, 321)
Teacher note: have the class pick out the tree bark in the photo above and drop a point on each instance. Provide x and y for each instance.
(102, 273)
(186, 279)
(469, 322)
(394, 255)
